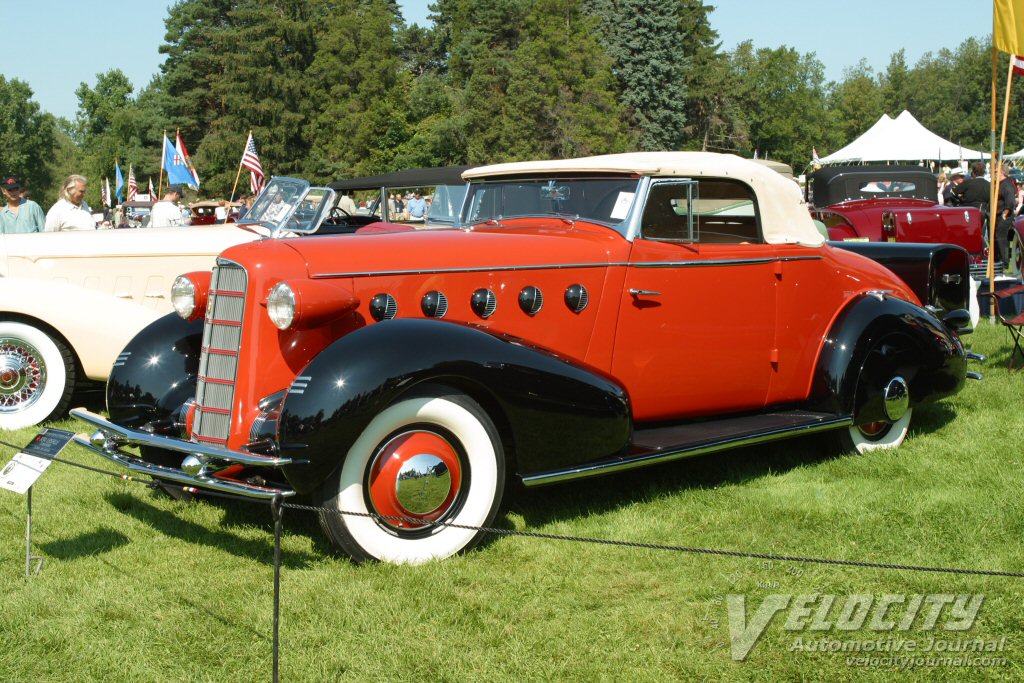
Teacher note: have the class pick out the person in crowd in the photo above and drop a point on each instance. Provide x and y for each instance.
(347, 205)
(973, 192)
(166, 213)
(400, 214)
(955, 178)
(417, 207)
(1007, 201)
(21, 213)
(71, 212)
(220, 212)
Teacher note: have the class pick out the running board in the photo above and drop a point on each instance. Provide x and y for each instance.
(664, 444)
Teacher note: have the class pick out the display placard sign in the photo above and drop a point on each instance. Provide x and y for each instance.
(28, 465)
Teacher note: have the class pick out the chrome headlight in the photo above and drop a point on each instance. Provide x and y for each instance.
(281, 306)
(183, 296)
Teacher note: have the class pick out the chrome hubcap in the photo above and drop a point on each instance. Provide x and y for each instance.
(22, 375)
(414, 479)
(423, 484)
(896, 398)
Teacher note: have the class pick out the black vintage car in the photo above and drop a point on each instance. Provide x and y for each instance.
(443, 186)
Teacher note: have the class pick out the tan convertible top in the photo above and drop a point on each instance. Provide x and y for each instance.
(784, 215)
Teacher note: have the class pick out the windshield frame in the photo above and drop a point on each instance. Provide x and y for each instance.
(283, 221)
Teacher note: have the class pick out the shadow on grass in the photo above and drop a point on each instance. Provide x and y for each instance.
(103, 540)
(167, 523)
(558, 502)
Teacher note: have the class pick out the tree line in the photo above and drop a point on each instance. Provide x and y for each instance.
(341, 88)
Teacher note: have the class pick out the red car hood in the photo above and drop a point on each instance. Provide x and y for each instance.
(530, 244)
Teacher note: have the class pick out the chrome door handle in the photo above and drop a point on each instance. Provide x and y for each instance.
(643, 292)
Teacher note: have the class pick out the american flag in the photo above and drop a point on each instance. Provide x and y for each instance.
(251, 161)
(133, 187)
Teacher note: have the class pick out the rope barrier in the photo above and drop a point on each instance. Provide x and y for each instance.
(696, 550)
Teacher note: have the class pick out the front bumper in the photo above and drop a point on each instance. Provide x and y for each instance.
(200, 460)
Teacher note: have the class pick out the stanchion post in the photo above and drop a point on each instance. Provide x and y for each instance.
(277, 511)
(28, 540)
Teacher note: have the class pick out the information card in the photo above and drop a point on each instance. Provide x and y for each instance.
(28, 465)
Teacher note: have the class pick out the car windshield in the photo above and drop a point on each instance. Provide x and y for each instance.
(287, 204)
(605, 200)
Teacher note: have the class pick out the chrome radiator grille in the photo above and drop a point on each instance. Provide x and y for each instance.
(218, 365)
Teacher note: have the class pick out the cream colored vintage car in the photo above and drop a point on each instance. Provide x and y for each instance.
(70, 301)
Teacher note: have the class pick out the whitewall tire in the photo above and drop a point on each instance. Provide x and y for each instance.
(37, 376)
(433, 458)
(876, 435)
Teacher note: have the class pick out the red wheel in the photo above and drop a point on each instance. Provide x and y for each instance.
(424, 459)
(416, 475)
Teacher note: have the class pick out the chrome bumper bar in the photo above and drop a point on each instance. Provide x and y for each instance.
(109, 438)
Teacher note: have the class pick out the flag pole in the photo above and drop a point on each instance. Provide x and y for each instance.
(239, 174)
(990, 270)
(163, 160)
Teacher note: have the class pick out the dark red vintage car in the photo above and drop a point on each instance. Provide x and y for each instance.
(584, 317)
(891, 204)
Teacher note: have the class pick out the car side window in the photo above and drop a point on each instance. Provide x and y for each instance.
(723, 211)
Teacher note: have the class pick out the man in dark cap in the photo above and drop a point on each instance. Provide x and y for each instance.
(166, 213)
(21, 214)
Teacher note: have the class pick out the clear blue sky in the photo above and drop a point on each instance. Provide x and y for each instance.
(54, 45)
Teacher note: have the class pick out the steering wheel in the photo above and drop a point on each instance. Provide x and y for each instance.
(338, 214)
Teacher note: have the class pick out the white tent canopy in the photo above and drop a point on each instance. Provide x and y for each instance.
(900, 139)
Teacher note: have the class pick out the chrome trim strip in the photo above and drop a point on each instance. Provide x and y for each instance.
(685, 452)
(128, 436)
(565, 266)
(141, 467)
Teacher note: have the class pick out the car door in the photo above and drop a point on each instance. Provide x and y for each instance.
(697, 319)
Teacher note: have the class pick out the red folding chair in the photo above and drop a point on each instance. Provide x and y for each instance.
(1013, 322)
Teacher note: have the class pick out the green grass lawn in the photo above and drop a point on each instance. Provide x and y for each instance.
(139, 587)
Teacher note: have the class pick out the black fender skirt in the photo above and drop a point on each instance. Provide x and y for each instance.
(550, 412)
(155, 374)
(873, 341)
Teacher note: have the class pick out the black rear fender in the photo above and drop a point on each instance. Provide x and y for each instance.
(874, 340)
(552, 413)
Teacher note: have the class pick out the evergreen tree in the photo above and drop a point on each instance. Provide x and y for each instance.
(648, 47)
(355, 97)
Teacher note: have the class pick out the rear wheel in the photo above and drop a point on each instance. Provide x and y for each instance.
(37, 376)
(435, 458)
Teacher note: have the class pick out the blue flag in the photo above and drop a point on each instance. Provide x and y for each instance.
(119, 181)
(178, 172)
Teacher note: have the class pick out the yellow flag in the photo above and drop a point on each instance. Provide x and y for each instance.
(1008, 29)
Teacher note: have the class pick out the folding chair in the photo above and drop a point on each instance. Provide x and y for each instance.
(1013, 322)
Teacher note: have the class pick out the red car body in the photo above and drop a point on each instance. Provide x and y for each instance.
(890, 204)
(587, 316)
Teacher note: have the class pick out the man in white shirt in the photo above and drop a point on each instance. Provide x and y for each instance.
(70, 212)
(166, 213)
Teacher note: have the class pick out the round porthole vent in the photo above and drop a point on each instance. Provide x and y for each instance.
(484, 302)
(576, 298)
(434, 304)
(531, 300)
(383, 307)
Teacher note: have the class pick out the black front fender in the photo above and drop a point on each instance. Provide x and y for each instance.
(876, 339)
(155, 374)
(551, 412)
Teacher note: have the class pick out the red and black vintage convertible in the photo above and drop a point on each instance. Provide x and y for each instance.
(584, 317)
